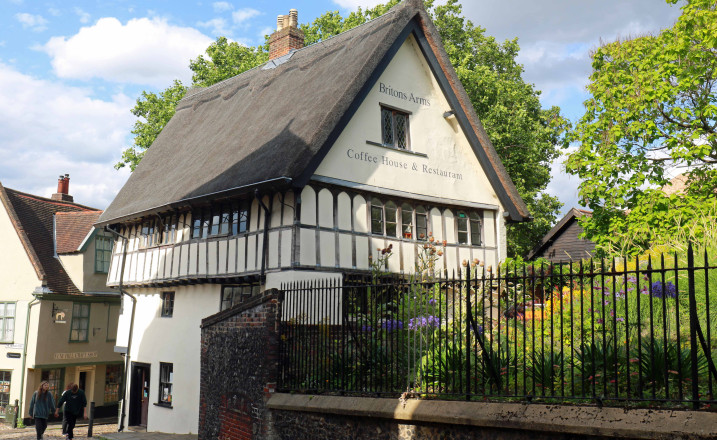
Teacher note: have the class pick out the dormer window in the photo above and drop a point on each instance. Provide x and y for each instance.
(394, 128)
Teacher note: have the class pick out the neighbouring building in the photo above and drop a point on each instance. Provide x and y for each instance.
(298, 169)
(563, 243)
(58, 319)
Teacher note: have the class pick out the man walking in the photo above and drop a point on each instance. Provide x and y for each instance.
(75, 402)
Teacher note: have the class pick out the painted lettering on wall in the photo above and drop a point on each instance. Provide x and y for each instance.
(82, 355)
(388, 90)
(363, 156)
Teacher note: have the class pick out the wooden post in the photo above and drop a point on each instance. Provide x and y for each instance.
(92, 419)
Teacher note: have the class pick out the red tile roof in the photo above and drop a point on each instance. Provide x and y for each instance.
(71, 228)
(32, 217)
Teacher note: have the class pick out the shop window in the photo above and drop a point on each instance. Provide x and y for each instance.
(4, 390)
(103, 253)
(80, 322)
(391, 219)
(376, 217)
(167, 304)
(7, 321)
(54, 377)
(394, 128)
(113, 379)
(476, 228)
(421, 223)
(166, 377)
(233, 295)
(407, 221)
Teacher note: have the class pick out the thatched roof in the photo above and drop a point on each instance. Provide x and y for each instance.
(272, 125)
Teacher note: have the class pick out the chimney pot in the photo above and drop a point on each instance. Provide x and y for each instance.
(63, 189)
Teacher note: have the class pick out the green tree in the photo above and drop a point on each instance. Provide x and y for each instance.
(651, 115)
(526, 136)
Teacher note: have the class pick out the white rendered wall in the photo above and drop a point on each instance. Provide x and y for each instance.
(175, 340)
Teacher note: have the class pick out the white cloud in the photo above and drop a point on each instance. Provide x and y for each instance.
(241, 15)
(48, 129)
(354, 4)
(218, 26)
(142, 51)
(222, 6)
(84, 16)
(54, 12)
(563, 185)
(34, 22)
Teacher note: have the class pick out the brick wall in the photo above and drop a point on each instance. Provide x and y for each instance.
(283, 41)
(239, 367)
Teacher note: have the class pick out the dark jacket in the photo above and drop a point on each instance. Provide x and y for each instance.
(42, 407)
(74, 402)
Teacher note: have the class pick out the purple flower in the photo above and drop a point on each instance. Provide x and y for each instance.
(423, 321)
(366, 328)
(599, 321)
(620, 319)
(669, 290)
(431, 302)
(392, 324)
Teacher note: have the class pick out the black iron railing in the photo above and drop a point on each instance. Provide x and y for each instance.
(631, 330)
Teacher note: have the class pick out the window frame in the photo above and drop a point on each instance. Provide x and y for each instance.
(100, 253)
(239, 293)
(78, 319)
(112, 388)
(377, 206)
(407, 224)
(5, 389)
(462, 228)
(421, 231)
(167, 307)
(385, 109)
(4, 319)
(57, 382)
(163, 366)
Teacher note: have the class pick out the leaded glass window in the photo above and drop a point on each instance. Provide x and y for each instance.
(394, 128)
(376, 217)
(476, 227)
(462, 227)
(421, 223)
(391, 219)
(407, 221)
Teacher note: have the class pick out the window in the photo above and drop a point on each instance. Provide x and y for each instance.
(4, 390)
(220, 220)
(113, 379)
(376, 217)
(147, 234)
(476, 228)
(394, 128)
(421, 223)
(103, 253)
(169, 230)
(167, 304)
(462, 227)
(7, 322)
(391, 219)
(166, 378)
(468, 225)
(54, 376)
(80, 322)
(240, 218)
(407, 221)
(233, 295)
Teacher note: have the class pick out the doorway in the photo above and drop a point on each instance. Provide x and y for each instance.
(85, 379)
(139, 395)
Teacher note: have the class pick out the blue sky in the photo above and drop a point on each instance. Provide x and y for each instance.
(70, 71)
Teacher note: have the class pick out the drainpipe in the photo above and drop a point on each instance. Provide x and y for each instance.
(265, 245)
(125, 242)
(24, 356)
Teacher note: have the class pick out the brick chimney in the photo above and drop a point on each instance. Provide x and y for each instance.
(63, 189)
(287, 37)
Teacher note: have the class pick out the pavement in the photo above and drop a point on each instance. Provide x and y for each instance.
(99, 432)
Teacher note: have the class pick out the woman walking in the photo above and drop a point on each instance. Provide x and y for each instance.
(41, 406)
